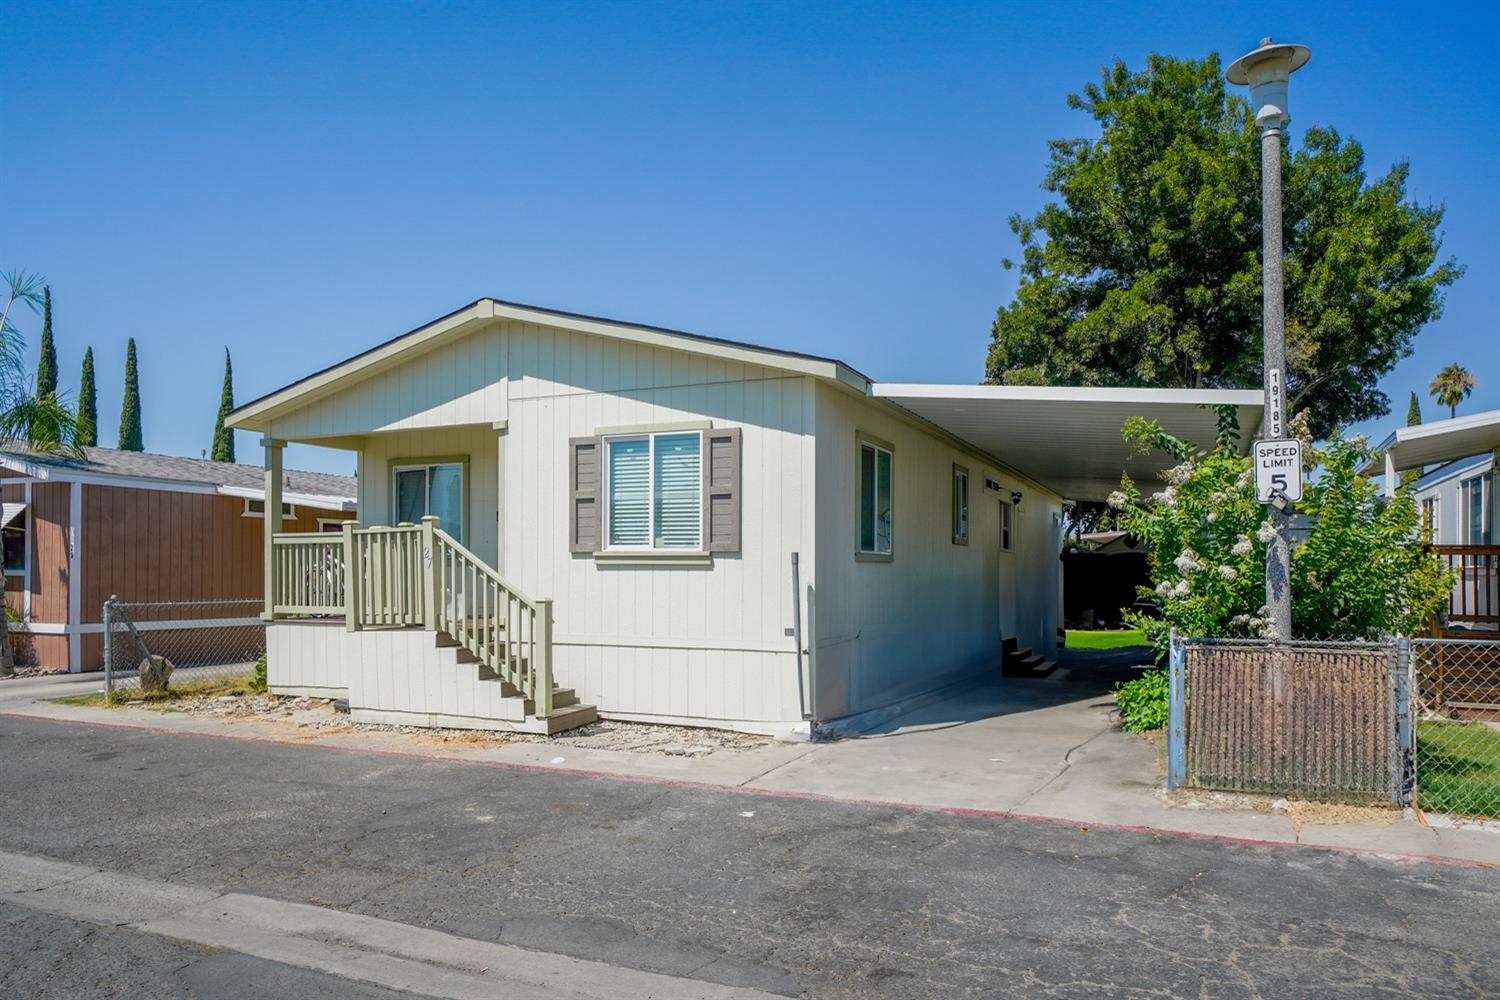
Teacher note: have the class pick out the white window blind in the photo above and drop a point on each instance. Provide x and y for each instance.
(678, 475)
(630, 492)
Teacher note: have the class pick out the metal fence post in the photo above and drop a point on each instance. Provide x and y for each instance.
(109, 659)
(1404, 778)
(1176, 714)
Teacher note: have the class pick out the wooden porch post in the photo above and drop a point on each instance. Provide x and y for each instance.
(428, 567)
(353, 578)
(273, 449)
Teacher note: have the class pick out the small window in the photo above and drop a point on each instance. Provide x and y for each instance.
(960, 505)
(331, 525)
(1477, 509)
(420, 490)
(1007, 524)
(1431, 525)
(257, 508)
(15, 548)
(875, 514)
(654, 491)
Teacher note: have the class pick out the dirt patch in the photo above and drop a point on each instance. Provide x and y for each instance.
(317, 717)
(1300, 812)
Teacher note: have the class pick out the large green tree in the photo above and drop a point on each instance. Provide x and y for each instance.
(1145, 269)
(130, 408)
(224, 436)
(88, 402)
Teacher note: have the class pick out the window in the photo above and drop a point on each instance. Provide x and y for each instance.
(1476, 493)
(15, 547)
(1431, 523)
(257, 508)
(960, 505)
(331, 525)
(875, 515)
(437, 489)
(654, 491)
(1007, 524)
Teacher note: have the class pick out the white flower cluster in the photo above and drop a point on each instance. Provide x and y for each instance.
(1266, 532)
(1242, 546)
(1228, 572)
(1244, 479)
(1187, 562)
(1178, 474)
(1167, 496)
(1117, 500)
(1182, 589)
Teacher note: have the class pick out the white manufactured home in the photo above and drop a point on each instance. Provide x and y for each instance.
(561, 516)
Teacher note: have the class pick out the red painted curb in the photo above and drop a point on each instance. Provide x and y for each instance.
(773, 793)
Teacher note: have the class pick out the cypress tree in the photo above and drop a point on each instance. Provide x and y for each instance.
(223, 436)
(88, 404)
(46, 366)
(1413, 418)
(130, 409)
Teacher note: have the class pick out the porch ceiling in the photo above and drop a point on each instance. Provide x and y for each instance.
(1068, 438)
(1442, 440)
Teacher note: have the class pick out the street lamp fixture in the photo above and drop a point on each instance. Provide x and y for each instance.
(1265, 71)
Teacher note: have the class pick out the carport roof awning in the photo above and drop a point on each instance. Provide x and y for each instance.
(1068, 438)
(9, 512)
(1442, 440)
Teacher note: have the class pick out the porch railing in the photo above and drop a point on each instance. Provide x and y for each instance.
(418, 575)
(1475, 598)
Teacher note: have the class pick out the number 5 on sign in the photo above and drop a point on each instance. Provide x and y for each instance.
(1278, 469)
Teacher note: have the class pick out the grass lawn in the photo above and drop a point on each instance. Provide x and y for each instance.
(163, 699)
(1114, 639)
(1458, 767)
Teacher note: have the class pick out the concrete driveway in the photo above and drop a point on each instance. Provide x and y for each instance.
(1006, 745)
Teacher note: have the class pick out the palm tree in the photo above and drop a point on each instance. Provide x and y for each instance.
(1451, 386)
(43, 422)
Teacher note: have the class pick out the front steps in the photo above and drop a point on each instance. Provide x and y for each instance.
(1023, 663)
(514, 713)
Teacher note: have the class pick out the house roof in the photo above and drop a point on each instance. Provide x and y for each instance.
(1460, 467)
(1068, 437)
(255, 414)
(1442, 440)
(1062, 438)
(313, 489)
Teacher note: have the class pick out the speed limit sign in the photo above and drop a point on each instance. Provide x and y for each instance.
(1278, 470)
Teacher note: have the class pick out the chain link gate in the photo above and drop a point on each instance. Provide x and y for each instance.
(1458, 725)
(181, 646)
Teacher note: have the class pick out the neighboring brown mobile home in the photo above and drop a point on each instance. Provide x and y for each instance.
(141, 527)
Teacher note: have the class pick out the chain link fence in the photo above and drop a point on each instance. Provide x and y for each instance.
(1329, 721)
(1409, 721)
(181, 646)
(1458, 725)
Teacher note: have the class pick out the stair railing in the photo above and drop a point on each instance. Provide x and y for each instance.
(506, 631)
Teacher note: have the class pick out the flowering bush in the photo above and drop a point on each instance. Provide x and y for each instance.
(1359, 573)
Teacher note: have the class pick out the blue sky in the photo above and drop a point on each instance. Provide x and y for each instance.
(300, 182)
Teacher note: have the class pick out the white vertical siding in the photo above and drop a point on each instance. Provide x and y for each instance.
(937, 611)
(460, 382)
(680, 641)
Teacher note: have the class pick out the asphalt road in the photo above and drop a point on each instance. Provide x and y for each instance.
(786, 895)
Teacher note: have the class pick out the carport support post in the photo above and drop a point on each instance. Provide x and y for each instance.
(273, 450)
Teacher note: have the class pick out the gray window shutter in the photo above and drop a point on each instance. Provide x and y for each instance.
(721, 489)
(585, 483)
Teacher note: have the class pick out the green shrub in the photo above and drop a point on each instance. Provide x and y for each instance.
(1143, 701)
(258, 679)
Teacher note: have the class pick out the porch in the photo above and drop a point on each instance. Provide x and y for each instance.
(413, 629)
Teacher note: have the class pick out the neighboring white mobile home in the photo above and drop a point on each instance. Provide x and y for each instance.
(610, 517)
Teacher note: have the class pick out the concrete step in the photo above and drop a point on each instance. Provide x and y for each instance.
(563, 719)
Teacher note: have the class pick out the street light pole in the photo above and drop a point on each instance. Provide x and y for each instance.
(1266, 71)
